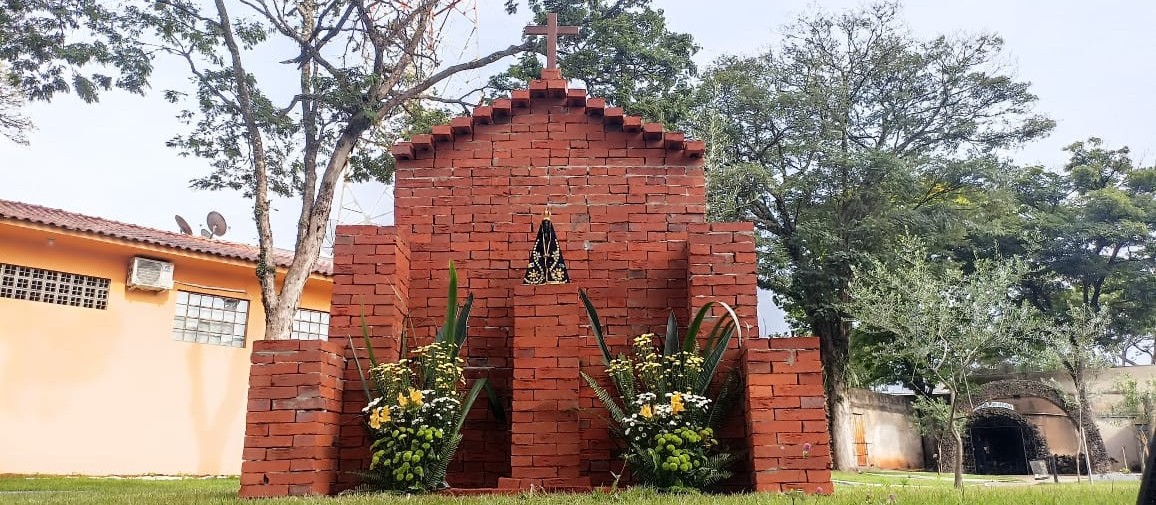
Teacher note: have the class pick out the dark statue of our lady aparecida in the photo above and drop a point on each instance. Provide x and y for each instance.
(546, 263)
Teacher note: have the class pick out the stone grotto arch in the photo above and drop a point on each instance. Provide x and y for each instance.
(1018, 388)
(1000, 441)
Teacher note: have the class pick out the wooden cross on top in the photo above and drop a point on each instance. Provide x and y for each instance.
(551, 31)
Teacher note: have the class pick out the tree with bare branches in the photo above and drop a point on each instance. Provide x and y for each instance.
(300, 127)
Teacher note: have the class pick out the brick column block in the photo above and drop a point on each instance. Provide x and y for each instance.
(291, 428)
(785, 411)
(545, 428)
(371, 274)
(721, 267)
(371, 277)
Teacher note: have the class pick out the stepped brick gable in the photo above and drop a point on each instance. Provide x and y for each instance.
(627, 202)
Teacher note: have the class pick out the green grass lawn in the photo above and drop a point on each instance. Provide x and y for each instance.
(918, 479)
(877, 490)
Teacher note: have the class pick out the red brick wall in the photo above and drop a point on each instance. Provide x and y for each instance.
(545, 432)
(292, 424)
(628, 203)
(621, 205)
(785, 409)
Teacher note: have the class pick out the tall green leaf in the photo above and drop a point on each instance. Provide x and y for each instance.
(596, 326)
(463, 320)
(495, 402)
(672, 343)
(360, 372)
(716, 346)
(365, 335)
(447, 333)
(468, 403)
(691, 338)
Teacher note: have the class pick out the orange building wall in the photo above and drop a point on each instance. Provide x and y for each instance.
(100, 392)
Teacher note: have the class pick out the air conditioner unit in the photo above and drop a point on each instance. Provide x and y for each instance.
(150, 275)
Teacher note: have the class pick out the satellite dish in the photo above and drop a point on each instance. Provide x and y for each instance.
(217, 224)
(185, 228)
(206, 233)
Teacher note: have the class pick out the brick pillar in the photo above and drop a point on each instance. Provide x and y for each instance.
(292, 423)
(371, 277)
(786, 409)
(721, 267)
(545, 440)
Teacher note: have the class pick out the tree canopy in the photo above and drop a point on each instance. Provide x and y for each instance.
(1091, 233)
(944, 321)
(79, 46)
(844, 136)
(624, 52)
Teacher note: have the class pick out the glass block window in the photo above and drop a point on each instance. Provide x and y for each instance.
(210, 319)
(50, 286)
(310, 325)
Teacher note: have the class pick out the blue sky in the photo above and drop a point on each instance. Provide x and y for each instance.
(1089, 62)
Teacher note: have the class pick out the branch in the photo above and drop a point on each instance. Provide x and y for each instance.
(466, 106)
(449, 71)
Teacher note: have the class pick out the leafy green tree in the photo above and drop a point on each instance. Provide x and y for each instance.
(848, 134)
(871, 365)
(82, 46)
(944, 321)
(1091, 231)
(623, 52)
(300, 127)
(14, 125)
(1073, 342)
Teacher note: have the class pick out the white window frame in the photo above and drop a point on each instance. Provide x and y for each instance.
(310, 324)
(210, 319)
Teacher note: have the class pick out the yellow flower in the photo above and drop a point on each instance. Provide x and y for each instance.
(415, 397)
(676, 403)
(402, 400)
(379, 416)
(646, 411)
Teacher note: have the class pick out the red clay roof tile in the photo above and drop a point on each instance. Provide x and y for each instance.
(20, 211)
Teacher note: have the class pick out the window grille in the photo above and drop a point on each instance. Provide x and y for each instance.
(50, 286)
(310, 325)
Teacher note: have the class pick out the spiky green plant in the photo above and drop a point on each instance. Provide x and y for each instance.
(662, 412)
(416, 409)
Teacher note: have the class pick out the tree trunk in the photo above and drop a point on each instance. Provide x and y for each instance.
(1095, 452)
(1087, 459)
(1142, 443)
(834, 343)
(279, 321)
(957, 457)
(957, 441)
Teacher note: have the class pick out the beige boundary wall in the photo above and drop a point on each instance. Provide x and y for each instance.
(891, 436)
(110, 392)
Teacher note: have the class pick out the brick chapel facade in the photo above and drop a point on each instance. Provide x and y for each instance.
(627, 200)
